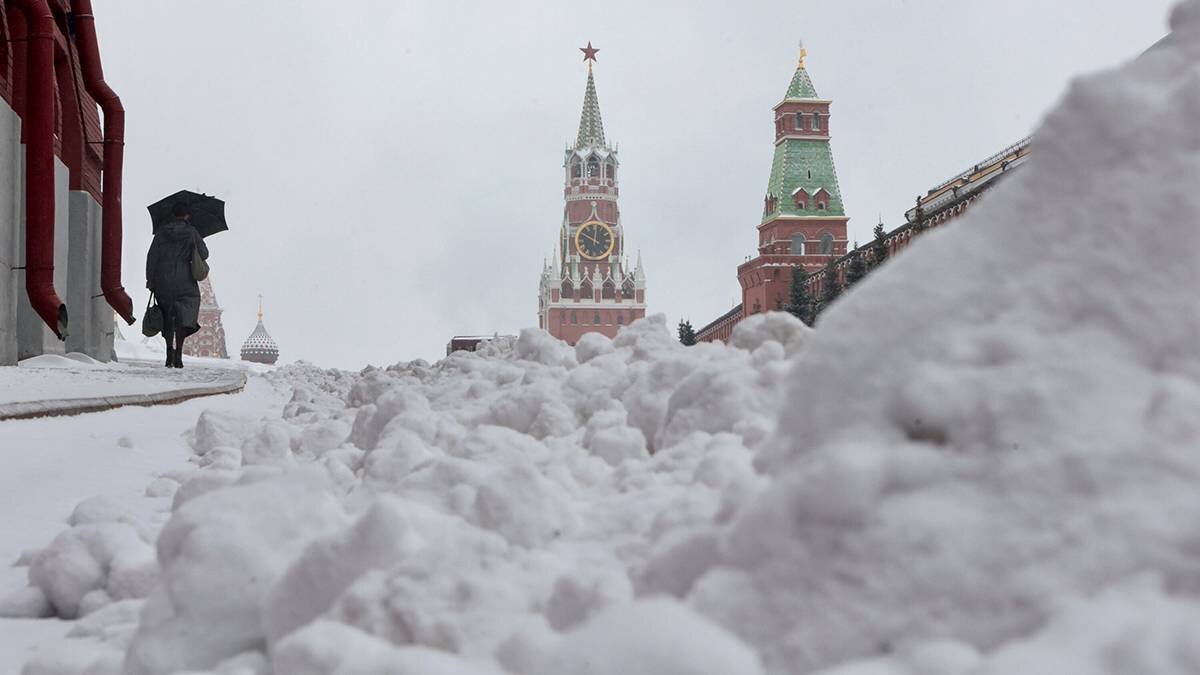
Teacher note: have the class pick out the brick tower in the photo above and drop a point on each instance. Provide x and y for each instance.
(588, 286)
(803, 222)
(210, 340)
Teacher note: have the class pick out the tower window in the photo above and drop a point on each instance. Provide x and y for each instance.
(620, 319)
(627, 289)
(593, 167)
(800, 199)
(609, 290)
(816, 122)
(797, 247)
(576, 168)
(596, 319)
(611, 169)
(826, 244)
(568, 290)
(585, 290)
(574, 318)
(799, 121)
(820, 206)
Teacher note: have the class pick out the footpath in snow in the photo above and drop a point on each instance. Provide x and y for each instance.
(984, 461)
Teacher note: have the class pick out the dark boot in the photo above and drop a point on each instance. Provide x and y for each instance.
(170, 357)
(179, 355)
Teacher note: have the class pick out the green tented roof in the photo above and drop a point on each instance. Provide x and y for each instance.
(794, 160)
(801, 87)
(591, 128)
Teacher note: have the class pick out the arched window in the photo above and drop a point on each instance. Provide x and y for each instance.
(609, 290)
(826, 244)
(816, 122)
(820, 206)
(576, 168)
(585, 290)
(593, 167)
(620, 319)
(799, 121)
(596, 319)
(610, 170)
(568, 289)
(574, 318)
(797, 244)
(627, 289)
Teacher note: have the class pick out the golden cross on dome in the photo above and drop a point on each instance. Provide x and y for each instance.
(803, 53)
(589, 53)
(260, 306)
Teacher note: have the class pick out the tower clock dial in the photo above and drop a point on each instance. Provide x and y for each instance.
(594, 240)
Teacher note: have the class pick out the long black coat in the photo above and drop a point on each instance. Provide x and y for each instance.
(169, 272)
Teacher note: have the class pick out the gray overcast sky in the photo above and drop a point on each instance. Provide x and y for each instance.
(393, 169)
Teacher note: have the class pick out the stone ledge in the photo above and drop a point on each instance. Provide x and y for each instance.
(77, 406)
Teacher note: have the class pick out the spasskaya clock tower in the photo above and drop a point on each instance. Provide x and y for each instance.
(587, 285)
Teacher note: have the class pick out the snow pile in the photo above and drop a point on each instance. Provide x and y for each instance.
(105, 557)
(72, 361)
(1002, 417)
(465, 516)
(994, 475)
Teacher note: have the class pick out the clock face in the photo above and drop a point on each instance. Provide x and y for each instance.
(594, 240)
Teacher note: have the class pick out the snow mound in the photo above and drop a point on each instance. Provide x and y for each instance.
(105, 556)
(448, 517)
(968, 453)
(654, 636)
(73, 361)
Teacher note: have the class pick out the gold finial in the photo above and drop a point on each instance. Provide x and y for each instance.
(260, 306)
(803, 53)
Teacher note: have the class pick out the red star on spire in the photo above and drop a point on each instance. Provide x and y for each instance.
(589, 52)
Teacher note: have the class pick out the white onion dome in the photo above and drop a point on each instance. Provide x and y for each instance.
(260, 347)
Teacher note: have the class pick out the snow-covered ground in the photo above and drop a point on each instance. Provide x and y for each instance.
(51, 464)
(985, 460)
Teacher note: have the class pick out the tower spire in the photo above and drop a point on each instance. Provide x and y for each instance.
(260, 312)
(591, 128)
(801, 87)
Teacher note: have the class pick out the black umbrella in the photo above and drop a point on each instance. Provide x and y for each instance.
(208, 212)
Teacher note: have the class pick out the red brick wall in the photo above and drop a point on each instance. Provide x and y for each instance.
(612, 319)
(785, 119)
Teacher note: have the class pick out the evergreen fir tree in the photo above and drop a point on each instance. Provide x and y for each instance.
(830, 288)
(800, 303)
(919, 224)
(856, 269)
(687, 334)
(879, 251)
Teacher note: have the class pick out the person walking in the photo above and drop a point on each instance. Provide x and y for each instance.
(169, 276)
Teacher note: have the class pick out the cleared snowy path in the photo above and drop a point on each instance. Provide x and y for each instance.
(51, 464)
(57, 385)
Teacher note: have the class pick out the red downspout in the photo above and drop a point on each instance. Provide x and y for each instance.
(114, 157)
(38, 121)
